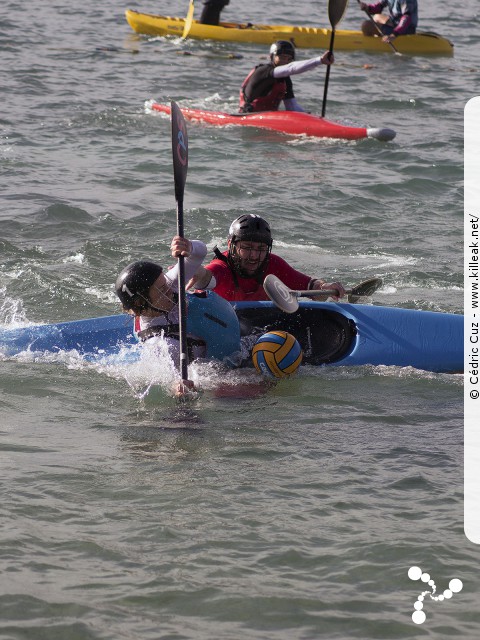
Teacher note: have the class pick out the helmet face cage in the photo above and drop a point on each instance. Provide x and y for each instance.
(253, 228)
(133, 285)
(282, 46)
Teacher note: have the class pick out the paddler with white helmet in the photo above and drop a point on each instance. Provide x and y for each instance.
(268, 84)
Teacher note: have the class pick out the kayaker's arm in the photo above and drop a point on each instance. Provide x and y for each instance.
(193, 250)
(403, 25)
(300, 66)
(202, 279)
(376, 7)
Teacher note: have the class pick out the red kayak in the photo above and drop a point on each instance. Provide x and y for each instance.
(289, 122)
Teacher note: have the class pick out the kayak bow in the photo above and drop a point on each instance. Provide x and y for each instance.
(288, 122)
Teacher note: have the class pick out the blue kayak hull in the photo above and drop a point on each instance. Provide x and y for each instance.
(329, 333)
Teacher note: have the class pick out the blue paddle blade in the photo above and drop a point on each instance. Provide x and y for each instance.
(179, 150)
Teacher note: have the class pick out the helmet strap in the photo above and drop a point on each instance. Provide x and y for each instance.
(148, 305)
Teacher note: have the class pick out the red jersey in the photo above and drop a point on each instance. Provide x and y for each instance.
(249, 288)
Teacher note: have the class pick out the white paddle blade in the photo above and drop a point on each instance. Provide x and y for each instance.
(280, 294)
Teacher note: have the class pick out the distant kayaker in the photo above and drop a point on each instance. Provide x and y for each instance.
(239, 272)
(211, 11)
(401, 18)
(151, 296)
(268, 84)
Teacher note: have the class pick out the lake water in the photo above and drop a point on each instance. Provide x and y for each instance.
(294, 514)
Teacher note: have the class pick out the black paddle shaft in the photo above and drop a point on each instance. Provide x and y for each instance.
(336, 10)
(180, 168)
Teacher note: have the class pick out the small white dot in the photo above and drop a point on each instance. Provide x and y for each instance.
(431, 583)
(447, 593)
(425, 577)
(414, 573)
(421, 598)
(455, 585)
(418, 606)
(441, 598)
(419, 617)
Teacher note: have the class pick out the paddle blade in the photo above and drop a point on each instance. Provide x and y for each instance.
(280, 294)
(188, 20)
(179, 151)
(366, 288)
(180, 167)
(336, 11)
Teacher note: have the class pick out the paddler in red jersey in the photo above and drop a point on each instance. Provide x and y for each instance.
(238, 273)
(268, 84)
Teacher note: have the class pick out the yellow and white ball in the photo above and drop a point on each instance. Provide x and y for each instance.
(277, 354)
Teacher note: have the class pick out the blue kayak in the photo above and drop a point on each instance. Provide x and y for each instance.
(333, 334)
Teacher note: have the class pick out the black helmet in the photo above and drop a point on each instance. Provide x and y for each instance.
(250, 227)
(133, 284)
(282, 46)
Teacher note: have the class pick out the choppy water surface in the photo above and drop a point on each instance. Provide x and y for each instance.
(293, 514)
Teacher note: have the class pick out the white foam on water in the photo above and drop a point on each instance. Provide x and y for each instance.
(12, 313)
(78, 258)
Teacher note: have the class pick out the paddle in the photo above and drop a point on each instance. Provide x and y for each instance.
(336, 9)
(188, 20)
(287, 300)
(380, 32)
(180, 168)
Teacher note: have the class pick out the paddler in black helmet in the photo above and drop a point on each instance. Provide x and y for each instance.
(268, 84)
(238, 273)
(151, 296)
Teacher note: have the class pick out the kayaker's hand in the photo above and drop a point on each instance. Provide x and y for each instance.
(318, 285)
(334, 285)
(364, 6)
(180, 247)
(184, 388)
(327, 58)
(389, 38)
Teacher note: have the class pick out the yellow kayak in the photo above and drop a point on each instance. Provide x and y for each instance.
(421, 43)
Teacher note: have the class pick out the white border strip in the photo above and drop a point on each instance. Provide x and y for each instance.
(472, 321)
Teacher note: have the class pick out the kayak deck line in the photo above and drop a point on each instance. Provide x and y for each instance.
(420, 43)
(287, 122)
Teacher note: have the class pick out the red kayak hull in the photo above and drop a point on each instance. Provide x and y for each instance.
(288, 122)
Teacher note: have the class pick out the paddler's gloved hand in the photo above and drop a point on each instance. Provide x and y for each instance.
(363, 6)
(180, 247)
(321, 284)
(335, 285)
(327, 58)
(389, 38)
(184, 388)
